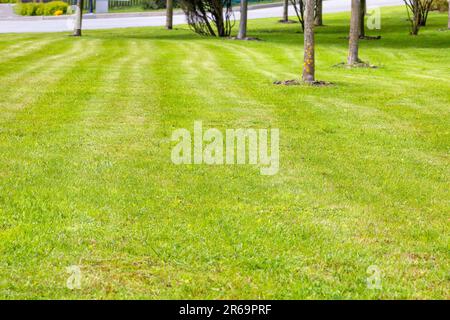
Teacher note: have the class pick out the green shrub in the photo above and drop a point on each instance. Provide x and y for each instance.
(25, 9)
(52, 7)
(441, 5)
(153, 4)
(8, 1)
(18, 9)
(157, 4)
(41, 9)
(31, 9)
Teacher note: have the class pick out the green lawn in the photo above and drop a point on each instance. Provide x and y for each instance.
(86, 177)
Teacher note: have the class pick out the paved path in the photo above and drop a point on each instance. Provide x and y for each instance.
(38, 24)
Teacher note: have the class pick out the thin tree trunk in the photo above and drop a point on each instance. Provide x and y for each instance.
(220, 24)
(243, 20)
(309, 61)
(353, 57)
(285, 11)
(319, 13)
(362, 15)
(78, 19)
(423, 18)
(169, 14)
(423, 22)
(416, 22)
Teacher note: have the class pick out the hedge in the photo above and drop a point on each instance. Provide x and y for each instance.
(41, 9)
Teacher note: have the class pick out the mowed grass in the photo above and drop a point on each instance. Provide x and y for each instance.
(86, 176)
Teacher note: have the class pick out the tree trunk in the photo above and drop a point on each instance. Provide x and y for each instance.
(354, 33)
(285, 11)
(319, 13)
(220, 25)
(449, 14)
(416, 17)
(422, 19)
(362, 15)
(169, 14)
(423, 22)
(78, 19)
(243, 20)
(309, 62)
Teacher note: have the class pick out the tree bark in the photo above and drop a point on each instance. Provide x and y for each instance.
(423, 21)
(319, 13)
(309, 58)
(242, 34)
(285, 11)
(169, 14)
(354, 33)
(78, 19)
(416, 17)
(362, 16)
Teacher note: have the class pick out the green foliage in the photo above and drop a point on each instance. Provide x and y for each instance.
(8, 1)
(25, 9)
(441, 5)
(40, 9)
(153, 4)
(52, 7)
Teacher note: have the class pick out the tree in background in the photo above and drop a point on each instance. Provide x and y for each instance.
(299, 7)
(412, 8)
(242, 34)
(78, 19)
(169, 14)
(362, 23)
(362, 16)
(309, 56)
(209, 17)
(425, 7)
(418, 13)
(285, 17)
(442, 6)
(353, 54)
(318, 19)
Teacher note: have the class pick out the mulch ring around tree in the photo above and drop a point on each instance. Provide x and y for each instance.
(246, 39)
(299, 83)
(364, 38)
(287, 21)
(355, 65)
(370, 38)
